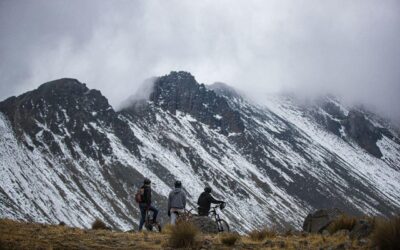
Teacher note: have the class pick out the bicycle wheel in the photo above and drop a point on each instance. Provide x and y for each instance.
(186, 216)
(223, 226)
(158, 227)
(148, 226)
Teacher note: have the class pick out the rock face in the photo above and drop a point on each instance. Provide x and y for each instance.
(353, 126)
(67, 105)
(320, 220)
(180, 91)
(363, 132)
(67, 155)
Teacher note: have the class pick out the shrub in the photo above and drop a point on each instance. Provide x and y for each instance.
(341, 223)
(183, 234)
(229, 239)
(387, 234)
(98, 224)
(259, 235)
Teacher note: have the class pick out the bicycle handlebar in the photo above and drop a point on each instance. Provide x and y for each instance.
(220, 206)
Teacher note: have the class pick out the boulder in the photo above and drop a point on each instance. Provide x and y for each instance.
(319, 220)
(205, 224)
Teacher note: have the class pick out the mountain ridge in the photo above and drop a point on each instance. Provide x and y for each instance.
(279, 160)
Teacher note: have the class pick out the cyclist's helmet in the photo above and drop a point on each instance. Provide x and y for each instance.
(146, 181)
(178, 184)
(222, 206)
(207, 190)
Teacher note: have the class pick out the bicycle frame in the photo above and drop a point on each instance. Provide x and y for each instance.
(217, 218)
(185, 216)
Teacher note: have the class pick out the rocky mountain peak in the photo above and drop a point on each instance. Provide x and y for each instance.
(179, 91)
(173, 85)
(65, 93)
(65, 108)
(176, 78)
(63, 85)
(61, 101)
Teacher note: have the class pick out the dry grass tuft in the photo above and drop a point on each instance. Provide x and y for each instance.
(183, 234)
(341, 223)
(99, 225)
(229, 239)
(167, 228)
(387, 234)
(22, 235)
(289, 232)
(259, 235)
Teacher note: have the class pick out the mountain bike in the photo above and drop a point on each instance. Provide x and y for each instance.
(185, 216)
(149, 224)
(221, 224)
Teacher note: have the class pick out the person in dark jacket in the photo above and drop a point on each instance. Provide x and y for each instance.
(176, 202)
(145, 204)
(205, 200)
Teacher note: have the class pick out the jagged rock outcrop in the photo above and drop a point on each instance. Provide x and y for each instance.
(353, 125)
(363, 132)
(179, 91)
(67, 105)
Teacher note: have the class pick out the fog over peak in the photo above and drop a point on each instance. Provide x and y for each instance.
(347, 48)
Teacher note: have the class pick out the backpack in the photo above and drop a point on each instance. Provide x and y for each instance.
(139, 195)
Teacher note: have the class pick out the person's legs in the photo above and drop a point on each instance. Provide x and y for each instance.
(142, 216)
(155, 212)
(173, 218)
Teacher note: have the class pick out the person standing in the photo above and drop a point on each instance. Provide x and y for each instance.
(145, 203)
(176, 202)
(205, 200)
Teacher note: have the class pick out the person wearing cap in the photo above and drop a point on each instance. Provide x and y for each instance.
(205, 200)
(145, 204)
(176, 202)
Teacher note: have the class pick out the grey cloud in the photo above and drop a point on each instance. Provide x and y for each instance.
(348, 48)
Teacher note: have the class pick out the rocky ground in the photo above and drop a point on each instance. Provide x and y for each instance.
(22, 235)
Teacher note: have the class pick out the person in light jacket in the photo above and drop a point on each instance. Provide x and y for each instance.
(176, 202)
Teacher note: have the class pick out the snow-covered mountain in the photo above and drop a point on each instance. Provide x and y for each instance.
(67, 155)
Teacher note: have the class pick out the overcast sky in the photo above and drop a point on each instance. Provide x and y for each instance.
(348, 48)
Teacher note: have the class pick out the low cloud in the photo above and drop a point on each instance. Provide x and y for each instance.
(348, 48)
(141, 95)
